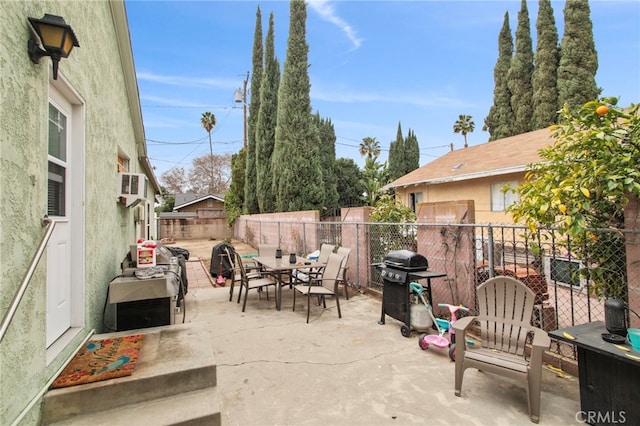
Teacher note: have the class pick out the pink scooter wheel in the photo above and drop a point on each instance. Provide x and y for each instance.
(424, 345)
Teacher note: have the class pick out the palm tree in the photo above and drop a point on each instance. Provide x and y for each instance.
(464, 124)
(370, 147)
(208, 121)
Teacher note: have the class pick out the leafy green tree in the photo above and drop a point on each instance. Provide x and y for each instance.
(376, 175)
(520, 73)
(384, 237)
(463, 125)
(208, 121)
(396, 155)
(578, 57)
(500, 119)
(327, 155)
(583, 182)
(350, 182)
(266, 125)
(545, 73)
(250, 190)
(297, 176)
(370, 148)
(389, 210)
(234, 197)
(168, 201)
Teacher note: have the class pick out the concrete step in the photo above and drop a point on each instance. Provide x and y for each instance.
(174, 360)
(196, 408)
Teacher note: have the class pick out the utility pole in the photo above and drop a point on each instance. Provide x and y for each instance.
(242, 97)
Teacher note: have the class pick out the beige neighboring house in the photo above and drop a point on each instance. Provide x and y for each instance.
(71, 149)
(475, 173)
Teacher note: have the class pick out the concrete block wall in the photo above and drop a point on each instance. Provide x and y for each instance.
(356, 237)
(632, 222)
(449, 249)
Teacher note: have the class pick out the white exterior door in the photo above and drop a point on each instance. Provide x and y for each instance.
(59, 202)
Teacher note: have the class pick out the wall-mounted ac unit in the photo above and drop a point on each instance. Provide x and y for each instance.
(132, 187)
(564, 271)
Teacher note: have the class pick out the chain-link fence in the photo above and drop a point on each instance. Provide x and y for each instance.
(566, 273)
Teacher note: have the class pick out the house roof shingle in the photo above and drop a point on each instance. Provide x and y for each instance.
(493, 158)
(183, 200)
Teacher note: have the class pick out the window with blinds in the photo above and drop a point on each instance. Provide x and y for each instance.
(57, 164)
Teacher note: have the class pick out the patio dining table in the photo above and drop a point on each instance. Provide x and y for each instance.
(278, 266)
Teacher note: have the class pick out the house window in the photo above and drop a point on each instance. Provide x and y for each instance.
(209, 203)
(123, 162)
(501, 200)
(415, 198)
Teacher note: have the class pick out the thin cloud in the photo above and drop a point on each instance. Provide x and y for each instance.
(173, 80)
(327, 12)
(421, 100)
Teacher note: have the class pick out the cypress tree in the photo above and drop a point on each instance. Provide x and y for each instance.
(297, 177)
(501, 117)
(411, 152)
(250, 193)
(578, 57)
(350, 182)
(545, 72)
(520, 73)
(266, 125)
(234, 197)
(396, 156)
(327, 156)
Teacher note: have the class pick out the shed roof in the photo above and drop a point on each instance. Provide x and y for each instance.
(184, 200)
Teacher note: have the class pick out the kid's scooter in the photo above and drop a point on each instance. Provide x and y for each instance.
(442, 325)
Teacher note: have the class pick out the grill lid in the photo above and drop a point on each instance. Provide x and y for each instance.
(407, 260)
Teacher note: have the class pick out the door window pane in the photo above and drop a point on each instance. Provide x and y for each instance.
(57, 134)
(56, 190)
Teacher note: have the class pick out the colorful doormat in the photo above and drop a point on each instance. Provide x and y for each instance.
(101, 360)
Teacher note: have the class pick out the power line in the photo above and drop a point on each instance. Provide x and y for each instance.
(177, 143)
(152, 141)
(382, 149)
(188, 106)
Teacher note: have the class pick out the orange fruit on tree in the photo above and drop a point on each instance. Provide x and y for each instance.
(602, 110)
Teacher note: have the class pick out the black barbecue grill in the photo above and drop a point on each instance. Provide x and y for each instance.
(399, 268)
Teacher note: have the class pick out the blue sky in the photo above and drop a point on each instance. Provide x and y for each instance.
(372, 64)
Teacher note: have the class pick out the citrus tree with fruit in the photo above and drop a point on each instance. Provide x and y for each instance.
(583, 182)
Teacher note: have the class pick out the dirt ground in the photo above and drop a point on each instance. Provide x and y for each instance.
(201, 248)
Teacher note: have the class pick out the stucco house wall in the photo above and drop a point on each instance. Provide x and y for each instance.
(99, 77)
(478, 190)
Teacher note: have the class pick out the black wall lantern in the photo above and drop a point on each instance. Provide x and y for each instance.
(57, 40)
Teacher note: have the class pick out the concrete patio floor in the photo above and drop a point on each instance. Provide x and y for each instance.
(274, 369)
